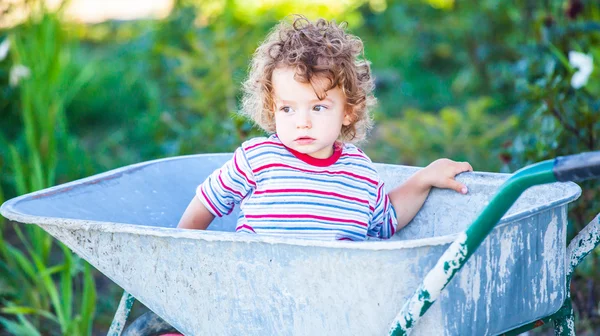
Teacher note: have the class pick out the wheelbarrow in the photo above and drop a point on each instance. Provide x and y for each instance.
(507, 237)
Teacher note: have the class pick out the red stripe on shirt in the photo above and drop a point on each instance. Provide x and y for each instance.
(354, 155)
(310, 191)
(210, 203)
(272, 165)
(248, 227)
(228, 188)
(386, 201)
(302, 216)
(264, 143)
(241, 172)
(378, 194)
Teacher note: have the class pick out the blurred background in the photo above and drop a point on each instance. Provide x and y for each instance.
(89, 85)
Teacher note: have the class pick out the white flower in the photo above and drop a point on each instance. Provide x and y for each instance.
(4, 47)
(584, 65)
(17, 72)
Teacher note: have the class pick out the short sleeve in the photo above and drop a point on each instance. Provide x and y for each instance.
(227, 186)
(384, 221)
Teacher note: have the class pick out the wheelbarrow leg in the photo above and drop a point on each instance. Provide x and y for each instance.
(565, 325)
(579, 248)
(118, 323)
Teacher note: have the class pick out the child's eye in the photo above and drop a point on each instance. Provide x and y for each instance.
(320, 108)
(286, 109)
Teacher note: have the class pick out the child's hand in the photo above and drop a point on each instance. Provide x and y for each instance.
(440, 173)
(409, 197)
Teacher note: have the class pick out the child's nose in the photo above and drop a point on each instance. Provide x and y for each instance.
(303, 120)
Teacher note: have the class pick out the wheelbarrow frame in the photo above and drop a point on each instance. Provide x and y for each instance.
(571, 168)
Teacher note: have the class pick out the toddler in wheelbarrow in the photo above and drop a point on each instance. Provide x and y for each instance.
(308, 199)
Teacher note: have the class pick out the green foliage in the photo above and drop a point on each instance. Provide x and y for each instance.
(460, 134)
(454, 79)
(34, 296)
(557, 118)
(22, 328)
(428, 59)
(200, 72)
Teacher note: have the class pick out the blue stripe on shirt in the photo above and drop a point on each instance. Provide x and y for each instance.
(344, 184)
(283, 153)
(288, 155)
(303, 228)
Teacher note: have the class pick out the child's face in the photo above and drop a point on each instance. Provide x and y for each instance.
(302, 121)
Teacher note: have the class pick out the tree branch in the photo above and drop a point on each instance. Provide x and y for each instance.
(565, 124)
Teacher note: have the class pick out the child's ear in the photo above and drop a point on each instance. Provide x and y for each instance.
(347, 120)
(348, 116)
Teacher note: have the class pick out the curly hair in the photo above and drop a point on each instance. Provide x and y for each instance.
(315, 50)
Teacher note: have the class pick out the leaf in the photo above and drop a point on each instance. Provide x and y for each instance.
(38, 172)
(22, 261)
(563, 60)
(24, 328)
(20, 310)
(88, 301)
(66, 283)
(53, 270)
(19, 171)
(46, 280)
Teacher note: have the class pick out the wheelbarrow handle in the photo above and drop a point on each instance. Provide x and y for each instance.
(577, 167)
(582, 244)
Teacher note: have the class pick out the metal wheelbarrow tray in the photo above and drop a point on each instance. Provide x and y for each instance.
(217, 282)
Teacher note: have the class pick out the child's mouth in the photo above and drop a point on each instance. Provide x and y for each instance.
(304, 140)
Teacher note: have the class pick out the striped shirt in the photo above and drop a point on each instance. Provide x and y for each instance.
(286, 193)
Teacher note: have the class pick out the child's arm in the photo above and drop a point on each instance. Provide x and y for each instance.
(409, 197)
(219, 193)
(196, 216)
